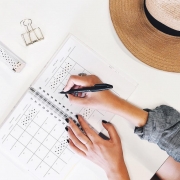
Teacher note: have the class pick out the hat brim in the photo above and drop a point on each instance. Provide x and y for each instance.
(141, 38)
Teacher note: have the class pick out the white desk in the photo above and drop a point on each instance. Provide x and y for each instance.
(89, 20)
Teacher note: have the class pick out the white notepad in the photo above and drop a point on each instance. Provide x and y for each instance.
(10, 59)
(34, 135)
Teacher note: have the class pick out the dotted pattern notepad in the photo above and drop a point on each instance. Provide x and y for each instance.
(10, 59)
(34, 135)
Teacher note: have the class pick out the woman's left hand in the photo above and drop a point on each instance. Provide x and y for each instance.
(105, 153)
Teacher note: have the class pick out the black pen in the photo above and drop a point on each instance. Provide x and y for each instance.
(95, 88)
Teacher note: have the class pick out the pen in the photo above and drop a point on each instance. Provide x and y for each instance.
(95, 88)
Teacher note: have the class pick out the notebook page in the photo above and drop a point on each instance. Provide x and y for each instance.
(74, 58)
(34, 136)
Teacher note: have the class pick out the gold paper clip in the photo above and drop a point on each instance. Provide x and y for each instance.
(31, 35)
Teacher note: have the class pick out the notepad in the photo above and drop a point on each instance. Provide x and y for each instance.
(10, 59)
(34, 135)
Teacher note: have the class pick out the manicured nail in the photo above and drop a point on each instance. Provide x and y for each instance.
(104, 121)
(68, 140)
(66, 128)
(67, 120)
(66, 95)
(77, 116)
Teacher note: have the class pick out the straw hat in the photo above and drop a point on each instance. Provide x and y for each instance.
(150, 30)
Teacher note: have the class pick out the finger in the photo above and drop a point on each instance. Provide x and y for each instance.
(79, 134)
(76, 141)
(76, 94)
(78, 100)
(111, 130)
(82, 95)
(76, 87)
(76, 149)
(79, 94)
(92, 135)
(75, 80)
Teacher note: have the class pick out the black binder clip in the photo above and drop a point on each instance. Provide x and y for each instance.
(31, 35)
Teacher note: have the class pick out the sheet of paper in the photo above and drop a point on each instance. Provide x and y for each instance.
(74, 58)
(36, 137)
(34, 134)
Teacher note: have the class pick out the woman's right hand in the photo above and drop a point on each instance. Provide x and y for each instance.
(105, 100)
(101, 100)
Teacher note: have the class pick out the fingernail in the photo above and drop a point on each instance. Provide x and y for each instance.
(66, 95)
(66, 128)
(104, 121)
(67, 120)
(68, 140)
(77, 116)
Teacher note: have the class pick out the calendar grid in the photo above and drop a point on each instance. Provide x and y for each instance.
(50, 150)
(24, 129)
(33, 155)
(40, 143)
(29, 150)
(30, 135)
(13, 128)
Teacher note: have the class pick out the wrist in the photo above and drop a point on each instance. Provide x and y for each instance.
(116, 105)
(128, 111)
(118, 171)
(119, 174)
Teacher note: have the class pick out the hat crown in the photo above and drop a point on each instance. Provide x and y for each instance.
(166, 12)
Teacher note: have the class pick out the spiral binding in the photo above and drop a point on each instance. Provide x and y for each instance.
(49, 104)
(53, 107)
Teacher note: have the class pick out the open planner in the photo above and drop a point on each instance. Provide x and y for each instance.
(33, 135)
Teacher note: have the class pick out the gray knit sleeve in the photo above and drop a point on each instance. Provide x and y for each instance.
(163, 128)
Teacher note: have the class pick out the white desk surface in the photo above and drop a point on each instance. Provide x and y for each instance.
(88, 20)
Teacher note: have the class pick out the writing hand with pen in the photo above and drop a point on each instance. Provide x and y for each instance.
(107, 154)
(90, 91)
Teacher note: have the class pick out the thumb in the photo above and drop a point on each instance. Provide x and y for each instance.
(77, 100)
(111, 131)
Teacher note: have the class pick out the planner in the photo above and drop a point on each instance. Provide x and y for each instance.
(33, 135)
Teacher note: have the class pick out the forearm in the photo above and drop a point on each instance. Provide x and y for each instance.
(170, 170)
(130, 112)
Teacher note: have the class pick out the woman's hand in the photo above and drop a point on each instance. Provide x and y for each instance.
(105, 100)
(101, 100)
(105, 153)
